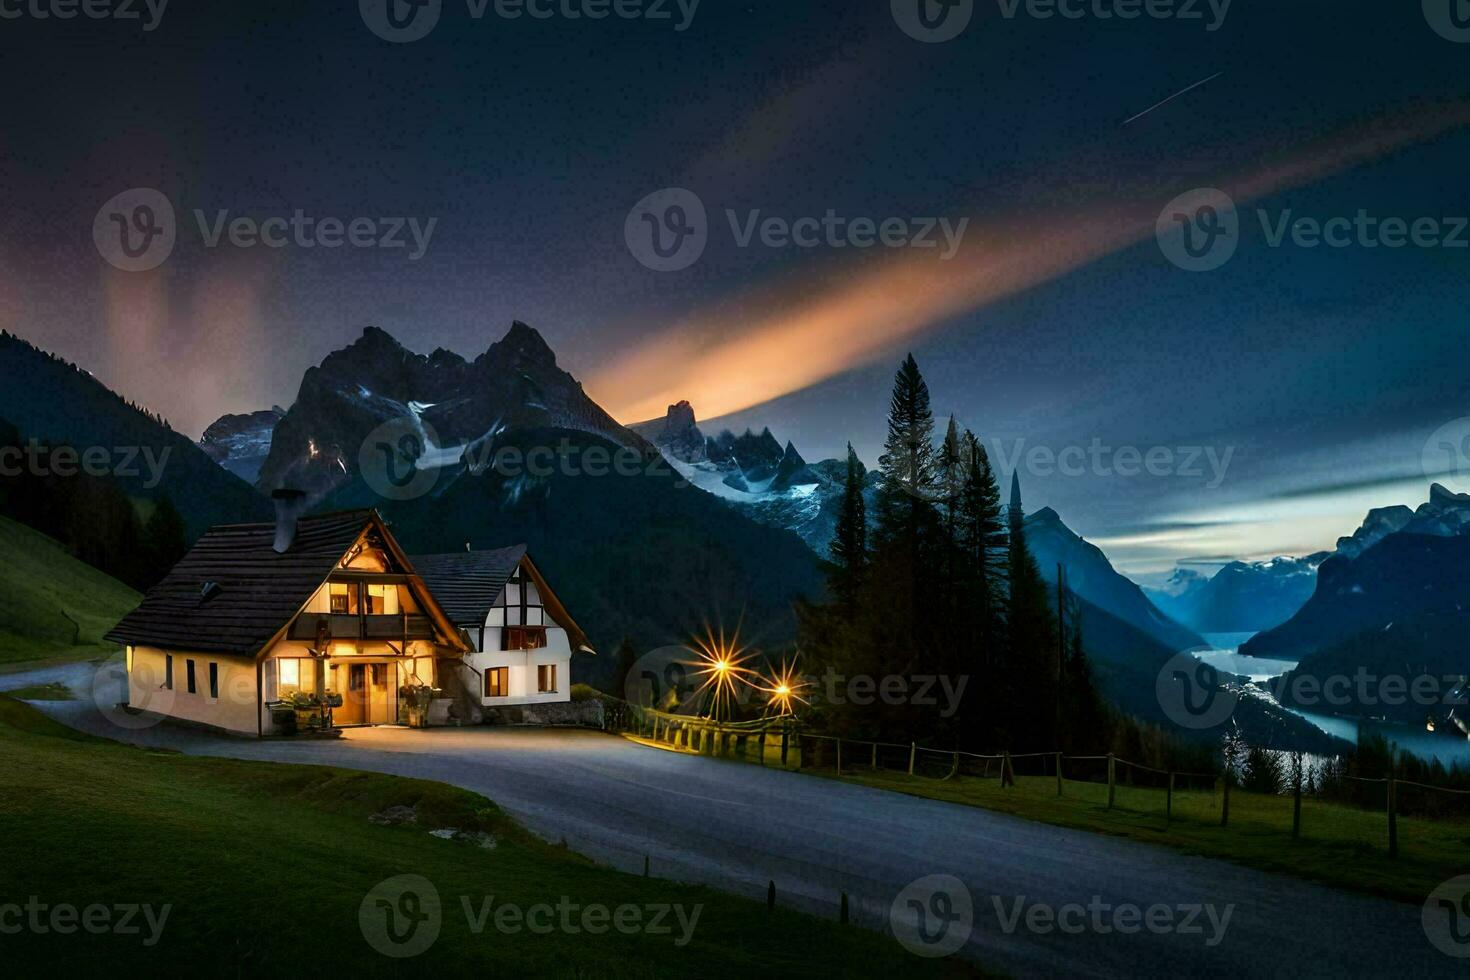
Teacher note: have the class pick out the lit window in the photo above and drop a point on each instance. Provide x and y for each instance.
(497, 682)
(546, 678)
(343, 598)
(290, 673)
(524, 638)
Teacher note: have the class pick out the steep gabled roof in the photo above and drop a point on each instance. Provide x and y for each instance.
(469, 583)
(255, 592)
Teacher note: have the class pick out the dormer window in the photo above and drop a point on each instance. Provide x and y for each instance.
(524, 638)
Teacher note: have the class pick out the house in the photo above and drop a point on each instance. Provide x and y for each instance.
(322, 606)
(522, 637)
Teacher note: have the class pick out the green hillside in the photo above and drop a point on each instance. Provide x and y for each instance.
(50, 603)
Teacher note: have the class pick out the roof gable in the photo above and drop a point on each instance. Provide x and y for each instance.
(255, 590)
(468, 584)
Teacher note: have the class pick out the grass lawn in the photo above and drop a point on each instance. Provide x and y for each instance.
(51, 605)
(1340, 845)
(266, 867)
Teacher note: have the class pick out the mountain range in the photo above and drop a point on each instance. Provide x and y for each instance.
(1241, 597)
(1392, 602)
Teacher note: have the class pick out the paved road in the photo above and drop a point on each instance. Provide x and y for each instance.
(737, 826)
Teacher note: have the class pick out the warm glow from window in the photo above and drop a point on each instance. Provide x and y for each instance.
(290, 673)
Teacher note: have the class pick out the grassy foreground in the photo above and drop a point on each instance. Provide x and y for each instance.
(51, 604)
(265, 868)
(1340, 845)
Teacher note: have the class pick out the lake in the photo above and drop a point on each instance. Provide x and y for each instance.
(1224, 655)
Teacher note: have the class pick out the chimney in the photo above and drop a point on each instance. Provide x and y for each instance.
(289, 505)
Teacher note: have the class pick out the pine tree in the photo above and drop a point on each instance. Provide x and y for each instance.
(850, 540)
(907, 462)
(164, 540)
(626, 657)
(1032, 653)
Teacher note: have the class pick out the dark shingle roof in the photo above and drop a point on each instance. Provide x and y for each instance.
(259, 590)
(467, 583)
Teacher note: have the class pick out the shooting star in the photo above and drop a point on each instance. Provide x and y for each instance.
(1173, 97)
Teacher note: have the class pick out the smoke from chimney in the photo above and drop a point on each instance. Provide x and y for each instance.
(289, 505)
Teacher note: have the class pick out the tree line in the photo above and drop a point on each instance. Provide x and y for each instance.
(92, 517)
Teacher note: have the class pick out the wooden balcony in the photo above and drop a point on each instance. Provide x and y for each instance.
(401, 627)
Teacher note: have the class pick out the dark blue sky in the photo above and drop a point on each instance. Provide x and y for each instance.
(529, 141)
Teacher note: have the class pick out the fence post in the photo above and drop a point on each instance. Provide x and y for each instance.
(1007, 774)
(913, 748)
(1225, 801)
(842, 909)
(954, 769)
(875, 756)
(1059, 774)
(785, 744)
(1393, 816)
(1296, 807)
(771, 896)
(760, 744)
(1112, 779)
(1169, 801)
(839, 772)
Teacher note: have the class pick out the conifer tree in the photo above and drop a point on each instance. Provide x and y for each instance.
(850, 539)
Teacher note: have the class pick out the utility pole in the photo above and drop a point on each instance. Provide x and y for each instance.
(1056, 711)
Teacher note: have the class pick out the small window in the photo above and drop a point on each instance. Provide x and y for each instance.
(497, 682)
(168, 671)
(189, 676)
(524, 638)
(546, 678)
(214, 680)
(343, 598)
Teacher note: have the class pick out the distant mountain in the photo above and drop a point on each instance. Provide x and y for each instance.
(633, 550)
(753, 471)
(1414, 581)
(241, 443)
(1092, 577)
(56, 402)
(453, 405)
(1242, 597)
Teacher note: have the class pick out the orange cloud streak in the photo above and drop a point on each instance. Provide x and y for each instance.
(728, 361)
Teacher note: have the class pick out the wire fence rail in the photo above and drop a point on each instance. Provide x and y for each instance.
(781, 742)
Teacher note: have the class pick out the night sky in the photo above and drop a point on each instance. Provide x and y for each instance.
(1321, 371)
